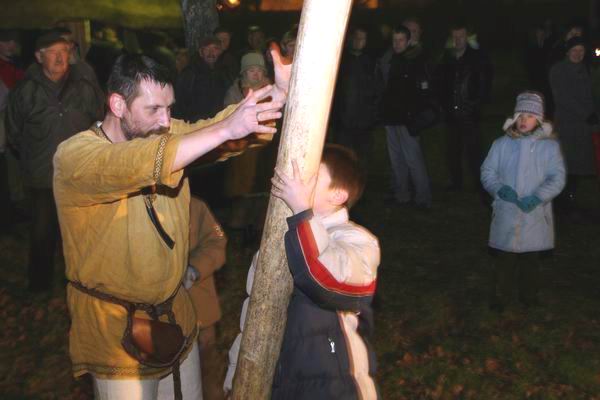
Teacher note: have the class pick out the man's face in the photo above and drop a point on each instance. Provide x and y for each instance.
(210, 53)
(459, 39)
(415, 31)
(150, 112)
(55, 60)
(256, 40)
(359, 40)
(8, 49)
(576, 54)
(255, 74)
(225, 38)
(399, 42)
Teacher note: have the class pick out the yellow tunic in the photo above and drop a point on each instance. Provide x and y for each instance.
(111, 245)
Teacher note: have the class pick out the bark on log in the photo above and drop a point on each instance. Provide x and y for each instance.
(200, 19)
(320, 42)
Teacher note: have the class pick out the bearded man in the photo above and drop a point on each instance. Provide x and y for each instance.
(123, 205)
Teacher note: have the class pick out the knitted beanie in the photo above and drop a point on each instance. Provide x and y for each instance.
(252, 60)
(532, 103)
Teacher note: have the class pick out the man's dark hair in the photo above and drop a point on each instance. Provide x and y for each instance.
(359, 28)
(222, 29)
(403, 30)
(130, 70)
(459, 24)
(344, 168)
(414, 19)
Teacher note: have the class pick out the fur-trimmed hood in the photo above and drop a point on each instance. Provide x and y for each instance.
(544, 131)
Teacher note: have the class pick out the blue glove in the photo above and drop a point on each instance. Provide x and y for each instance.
(507, 193)
(529, 203)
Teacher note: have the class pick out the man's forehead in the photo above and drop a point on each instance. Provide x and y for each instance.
(57, 47)
(151, 93)
(211, 46)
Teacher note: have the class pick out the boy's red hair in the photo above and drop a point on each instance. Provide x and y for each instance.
(344, 168)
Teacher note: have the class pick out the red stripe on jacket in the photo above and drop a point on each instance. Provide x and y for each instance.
(320, 273)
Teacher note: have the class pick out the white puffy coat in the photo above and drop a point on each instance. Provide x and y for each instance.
(531, 165)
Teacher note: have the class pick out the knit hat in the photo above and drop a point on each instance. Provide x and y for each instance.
(532, 103)
(252, 60)
(574, 41)
(48, 39)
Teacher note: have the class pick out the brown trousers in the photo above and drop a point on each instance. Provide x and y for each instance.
(212, 365)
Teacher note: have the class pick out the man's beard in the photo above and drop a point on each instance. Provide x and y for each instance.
(132, 132)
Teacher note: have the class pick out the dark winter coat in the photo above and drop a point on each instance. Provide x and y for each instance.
(200, 91)
(407, 88)
(572, 89)
(317, 359)
(464, 83)
(355, 94)
(41, 114)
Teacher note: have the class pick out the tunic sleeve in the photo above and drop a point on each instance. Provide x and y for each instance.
(91, 170)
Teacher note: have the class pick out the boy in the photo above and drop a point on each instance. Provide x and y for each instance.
(334, 265)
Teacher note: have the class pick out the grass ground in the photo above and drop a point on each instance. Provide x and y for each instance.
(434, 337)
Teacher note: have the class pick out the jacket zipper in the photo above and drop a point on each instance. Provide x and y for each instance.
(350, 358)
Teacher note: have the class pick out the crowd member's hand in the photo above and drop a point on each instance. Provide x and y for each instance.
(283, 72)
(248, 116)
(529, 203)
(191, 276)
(297, 193)
(507, 193)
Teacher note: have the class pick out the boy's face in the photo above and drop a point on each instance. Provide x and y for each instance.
(526, 122)
(327, 200)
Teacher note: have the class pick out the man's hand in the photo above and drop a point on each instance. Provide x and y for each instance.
(283, 71)
(248, 116)
(297, 194)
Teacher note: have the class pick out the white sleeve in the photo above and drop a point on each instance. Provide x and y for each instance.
(234, 351)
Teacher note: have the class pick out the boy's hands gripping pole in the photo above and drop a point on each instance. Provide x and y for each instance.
(297, 193)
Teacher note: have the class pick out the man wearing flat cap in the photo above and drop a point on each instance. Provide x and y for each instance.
(51, 104)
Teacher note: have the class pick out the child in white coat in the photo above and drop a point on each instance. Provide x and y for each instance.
(523, 172)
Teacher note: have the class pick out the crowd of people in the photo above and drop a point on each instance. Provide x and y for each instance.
(90, 143)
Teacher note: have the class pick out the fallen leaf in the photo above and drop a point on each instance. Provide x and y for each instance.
(492, 365)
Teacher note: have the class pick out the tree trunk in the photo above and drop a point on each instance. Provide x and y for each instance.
(200, 19)
(320, 40)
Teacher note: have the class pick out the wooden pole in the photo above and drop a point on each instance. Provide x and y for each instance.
(319, 46)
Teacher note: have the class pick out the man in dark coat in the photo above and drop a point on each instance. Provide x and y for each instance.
(201, 86)
(405, 97)
(354, 109)
(51, 104)
(575, 116)
(465, 76)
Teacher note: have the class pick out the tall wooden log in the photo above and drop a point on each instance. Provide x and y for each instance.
(319, 46)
